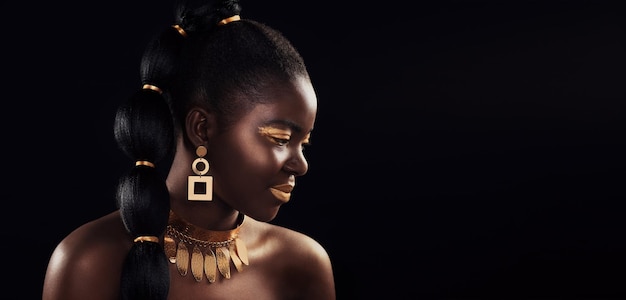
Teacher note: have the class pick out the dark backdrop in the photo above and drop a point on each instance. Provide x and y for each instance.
(464, 149)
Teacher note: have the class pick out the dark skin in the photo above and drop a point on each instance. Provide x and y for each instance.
(284, 264)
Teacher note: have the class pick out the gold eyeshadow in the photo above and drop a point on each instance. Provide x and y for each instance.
(307, 139)
(274, 132)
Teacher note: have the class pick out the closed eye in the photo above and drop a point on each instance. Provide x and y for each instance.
(279, 141)
(282, 137)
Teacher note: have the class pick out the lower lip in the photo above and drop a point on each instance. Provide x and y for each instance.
(280, 195)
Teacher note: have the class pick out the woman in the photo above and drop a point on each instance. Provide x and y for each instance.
(230, 102)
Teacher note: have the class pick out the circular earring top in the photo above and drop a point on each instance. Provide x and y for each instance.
(201, 151)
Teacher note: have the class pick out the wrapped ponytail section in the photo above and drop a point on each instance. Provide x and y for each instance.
(144, 131)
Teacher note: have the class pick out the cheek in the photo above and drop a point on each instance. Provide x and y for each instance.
(261, 159)
(245, 157)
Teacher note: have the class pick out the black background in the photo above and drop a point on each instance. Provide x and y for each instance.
(463, 149)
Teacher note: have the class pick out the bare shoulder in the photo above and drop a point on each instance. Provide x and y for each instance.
(299, 244)
(88, 261)
(301, 262)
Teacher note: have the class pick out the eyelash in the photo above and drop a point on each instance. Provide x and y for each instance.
(279, 141)
(284, 142)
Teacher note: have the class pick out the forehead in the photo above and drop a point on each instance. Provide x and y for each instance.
(293, 104)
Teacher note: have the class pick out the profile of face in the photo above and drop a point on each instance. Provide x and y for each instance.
(256, 161)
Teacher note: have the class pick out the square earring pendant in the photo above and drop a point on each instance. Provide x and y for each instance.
(200, 188)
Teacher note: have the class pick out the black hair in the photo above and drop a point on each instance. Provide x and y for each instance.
(201, 63)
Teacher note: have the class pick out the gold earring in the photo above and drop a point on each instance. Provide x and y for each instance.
(200, 188)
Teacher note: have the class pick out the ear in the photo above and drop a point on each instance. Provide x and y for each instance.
(200, 125)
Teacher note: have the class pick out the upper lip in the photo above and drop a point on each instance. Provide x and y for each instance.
(287, 187)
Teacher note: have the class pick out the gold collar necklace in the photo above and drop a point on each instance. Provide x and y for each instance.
(207, 251)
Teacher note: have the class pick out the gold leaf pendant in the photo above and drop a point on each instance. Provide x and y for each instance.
(197, 264)
(223, 261)
(170, 249)
(233, 256)
(242, 251)
(182, 259)
(210, 266)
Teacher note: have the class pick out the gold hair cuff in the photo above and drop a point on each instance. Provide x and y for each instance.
(180, 30)
(146, 238)
(230, 19)
(144, 163)
(152, 87)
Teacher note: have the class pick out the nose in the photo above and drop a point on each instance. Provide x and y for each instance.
(296, 163)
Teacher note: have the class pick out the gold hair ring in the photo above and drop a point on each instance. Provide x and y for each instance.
(152, 87)
(180, 30)
(144, 163)
(146, 238)
(230, 19)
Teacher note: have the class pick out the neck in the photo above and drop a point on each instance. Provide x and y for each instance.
(180, 224)
(208, 215)
(215, 215)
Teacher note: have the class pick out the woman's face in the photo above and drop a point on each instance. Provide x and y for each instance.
(255, 162)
